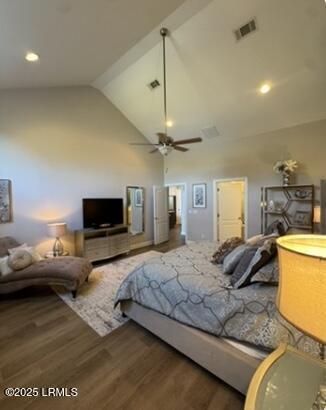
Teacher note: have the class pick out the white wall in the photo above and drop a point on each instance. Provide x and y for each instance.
(251, 157)
(59, 145)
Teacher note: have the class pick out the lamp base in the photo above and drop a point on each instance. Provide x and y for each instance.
(58, 249)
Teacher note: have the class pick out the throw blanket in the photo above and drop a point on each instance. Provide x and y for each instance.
(184, 285)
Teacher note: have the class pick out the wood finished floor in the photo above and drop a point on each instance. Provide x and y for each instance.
(43, 343)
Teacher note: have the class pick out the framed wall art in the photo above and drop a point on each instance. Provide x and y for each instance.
(5, 201)
(199, 195)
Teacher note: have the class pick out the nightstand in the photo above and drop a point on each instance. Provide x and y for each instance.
(286, 380)
(50, 255)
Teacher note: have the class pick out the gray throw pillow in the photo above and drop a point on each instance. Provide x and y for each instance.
(268, 273)
(233, 258)
(19, 260)
(243, 265)
(262, 256)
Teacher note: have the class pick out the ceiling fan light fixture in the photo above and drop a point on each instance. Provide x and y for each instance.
(167, 144)
(165, 150)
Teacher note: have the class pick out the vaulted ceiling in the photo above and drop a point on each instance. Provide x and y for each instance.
(77, 40)
(214, 80)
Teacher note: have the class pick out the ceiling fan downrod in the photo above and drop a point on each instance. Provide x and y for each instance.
(164, 32)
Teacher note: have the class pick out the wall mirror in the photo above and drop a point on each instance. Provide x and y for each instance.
(135, 209)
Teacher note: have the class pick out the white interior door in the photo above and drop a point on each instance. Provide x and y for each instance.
(161, 214)
(179, 206)
(230, 209)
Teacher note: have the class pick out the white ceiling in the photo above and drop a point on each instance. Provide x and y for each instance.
(214, 80)
(77, 40)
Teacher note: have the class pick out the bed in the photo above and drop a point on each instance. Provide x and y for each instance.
(183, 298)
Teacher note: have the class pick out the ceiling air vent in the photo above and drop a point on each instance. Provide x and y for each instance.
(210, 132)
(154, 84)
(246, 29)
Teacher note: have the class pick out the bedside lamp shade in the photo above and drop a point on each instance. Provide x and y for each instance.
(57, 230)
(301, 295)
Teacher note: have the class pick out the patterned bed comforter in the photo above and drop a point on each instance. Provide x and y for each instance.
(184, 285)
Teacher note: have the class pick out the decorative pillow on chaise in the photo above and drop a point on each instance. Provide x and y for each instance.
(32, 251)
(262, 256)
(5, 269)
(233, 258)
(225, 248)
(268, 273)
(20, 259)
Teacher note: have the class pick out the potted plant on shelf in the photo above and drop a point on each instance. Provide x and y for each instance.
(286, 168)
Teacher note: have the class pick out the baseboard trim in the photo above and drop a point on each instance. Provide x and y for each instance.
(141, 244)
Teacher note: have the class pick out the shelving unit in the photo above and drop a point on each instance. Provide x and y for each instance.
(293, 205)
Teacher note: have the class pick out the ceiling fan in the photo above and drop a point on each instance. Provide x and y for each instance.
(165, 143)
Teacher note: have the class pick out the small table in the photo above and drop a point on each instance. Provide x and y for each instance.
(51, 255)
(286, 380)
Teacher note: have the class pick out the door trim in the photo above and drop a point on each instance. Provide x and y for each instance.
(184, 223)
(217, 181)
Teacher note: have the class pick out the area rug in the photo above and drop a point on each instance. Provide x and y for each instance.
(95, 298)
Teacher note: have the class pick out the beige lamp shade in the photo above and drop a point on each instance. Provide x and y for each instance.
(301, 295)
(57, 230)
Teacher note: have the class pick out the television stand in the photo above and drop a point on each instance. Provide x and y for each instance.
(102, 243)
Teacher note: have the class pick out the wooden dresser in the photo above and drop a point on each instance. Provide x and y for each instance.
(103, 243)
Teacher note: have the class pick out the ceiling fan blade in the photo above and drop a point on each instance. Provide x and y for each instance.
(180, 148)
(154, 150)
(139, 143)
(188, 141)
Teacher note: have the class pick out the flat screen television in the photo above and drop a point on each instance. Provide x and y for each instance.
(102, 212)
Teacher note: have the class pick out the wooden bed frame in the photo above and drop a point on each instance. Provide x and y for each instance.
(226, 362)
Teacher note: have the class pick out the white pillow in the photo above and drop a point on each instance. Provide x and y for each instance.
(5, 269)
(20, 259)
(32, 251)
(17, 248)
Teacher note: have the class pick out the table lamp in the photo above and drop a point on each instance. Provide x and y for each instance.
(57, 230)
(301, 297)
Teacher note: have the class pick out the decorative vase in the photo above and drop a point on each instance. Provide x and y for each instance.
(286, 179)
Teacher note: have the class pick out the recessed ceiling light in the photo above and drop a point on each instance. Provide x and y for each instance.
(32, 57)
(169, 123)
(265, 88)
